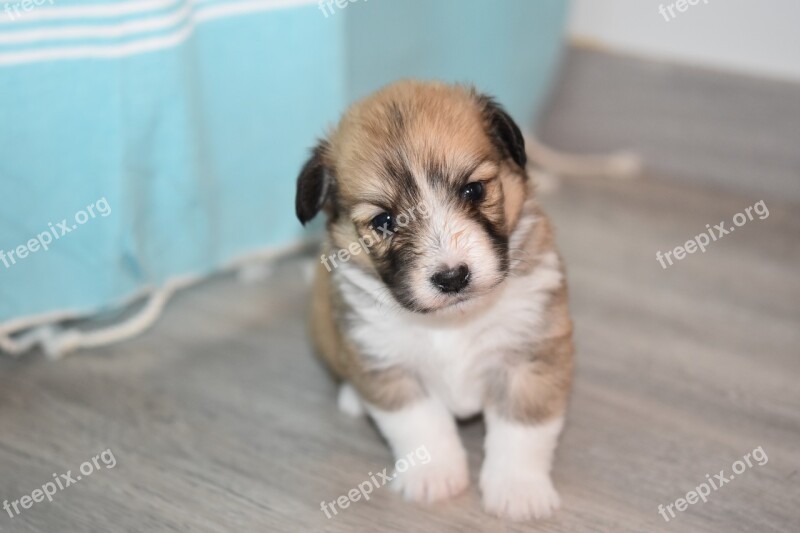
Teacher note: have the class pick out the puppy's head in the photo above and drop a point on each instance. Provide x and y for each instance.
(430, 180)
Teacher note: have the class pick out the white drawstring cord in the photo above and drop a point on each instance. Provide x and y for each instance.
(57, 341)
(620, 165)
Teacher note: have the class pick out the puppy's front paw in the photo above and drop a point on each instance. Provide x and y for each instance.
(518, 495)
(443, 477)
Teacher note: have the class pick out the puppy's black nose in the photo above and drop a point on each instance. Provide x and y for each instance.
(452, 280)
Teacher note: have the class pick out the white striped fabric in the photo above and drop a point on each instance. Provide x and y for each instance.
(58, 12)
(113, 30)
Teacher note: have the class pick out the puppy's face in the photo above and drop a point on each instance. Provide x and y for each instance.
(430, 180)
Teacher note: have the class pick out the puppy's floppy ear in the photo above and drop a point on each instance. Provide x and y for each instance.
(504, 131)
(313, 184)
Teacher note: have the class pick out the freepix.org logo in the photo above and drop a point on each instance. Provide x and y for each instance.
(15, 10)
(60, 482)
(328, 7)
(54, 232)
(379, 233)
(701, 241)
(671, 11)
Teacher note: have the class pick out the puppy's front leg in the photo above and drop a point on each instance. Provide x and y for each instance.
(515, 479)
(424, 429)
(525, 408)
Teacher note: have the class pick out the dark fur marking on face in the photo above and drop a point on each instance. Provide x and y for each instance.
(396, 170)
(435, 172)
(438, 175)
(398, 260)
(496, 235)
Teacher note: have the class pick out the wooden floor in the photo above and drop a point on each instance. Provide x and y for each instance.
(220, 419)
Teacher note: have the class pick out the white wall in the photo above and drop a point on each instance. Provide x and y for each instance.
(752, 36)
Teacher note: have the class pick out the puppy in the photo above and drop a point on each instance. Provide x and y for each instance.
(440, 293)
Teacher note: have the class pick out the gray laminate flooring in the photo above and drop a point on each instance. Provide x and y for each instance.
(220, 419)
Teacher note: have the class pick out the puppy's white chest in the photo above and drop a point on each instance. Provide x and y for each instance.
(450, 362)
(454, 370)
(452, 355)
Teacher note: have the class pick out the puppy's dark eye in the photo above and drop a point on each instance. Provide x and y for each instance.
(384, 220)
(473, 192)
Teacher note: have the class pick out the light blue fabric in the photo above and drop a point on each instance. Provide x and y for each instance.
(507, 48)
(195, 146)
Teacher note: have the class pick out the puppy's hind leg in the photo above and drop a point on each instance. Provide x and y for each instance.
(349, 401)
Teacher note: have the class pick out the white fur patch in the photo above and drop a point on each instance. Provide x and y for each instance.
(515, 478)
(349, 401)
(425, 423)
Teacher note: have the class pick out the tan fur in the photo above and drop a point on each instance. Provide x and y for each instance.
(439, 120)
(534, 386)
